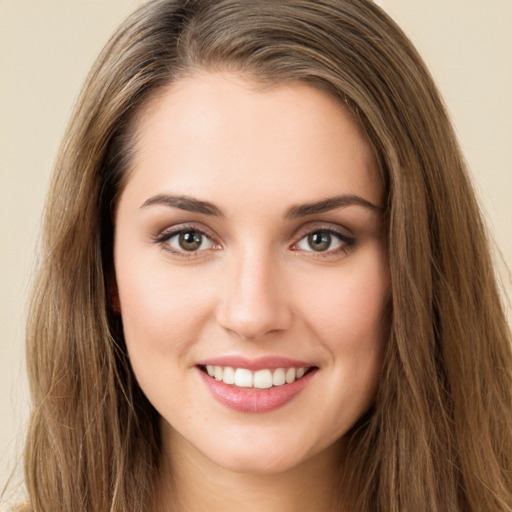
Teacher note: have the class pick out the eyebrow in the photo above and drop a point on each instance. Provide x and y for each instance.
(192, 204)
(189, 204)
(330, 203)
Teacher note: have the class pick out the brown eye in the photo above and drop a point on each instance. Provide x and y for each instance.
(185, 241)
(190, 240)
(327, 241)
(320, 241)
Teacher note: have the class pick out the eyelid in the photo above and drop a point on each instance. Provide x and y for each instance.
(312, 227)
(343, 234)
(164, 235)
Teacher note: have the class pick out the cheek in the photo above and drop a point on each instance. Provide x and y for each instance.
(162, 315)
(162, 311)
(349, 316)
(348, 307)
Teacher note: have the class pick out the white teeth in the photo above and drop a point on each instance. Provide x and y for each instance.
(279, 377)
(229, 375)
(218, 372)
(290, 375)
(243, 378)
(261, 379)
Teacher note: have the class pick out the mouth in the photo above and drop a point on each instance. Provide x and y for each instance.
(262, 389)
(262, 379)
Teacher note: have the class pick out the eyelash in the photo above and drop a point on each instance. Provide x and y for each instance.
(347, 242)
(163, 238)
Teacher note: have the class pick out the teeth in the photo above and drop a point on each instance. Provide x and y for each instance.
(290, 375)
(229, 375)
(279, 377)
(243, 378)
(261, 379)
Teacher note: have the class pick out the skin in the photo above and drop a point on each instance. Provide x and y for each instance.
(254, 287)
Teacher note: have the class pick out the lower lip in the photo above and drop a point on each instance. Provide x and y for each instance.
(255, 400)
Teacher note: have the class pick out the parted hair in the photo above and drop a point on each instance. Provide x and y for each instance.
(439, 434)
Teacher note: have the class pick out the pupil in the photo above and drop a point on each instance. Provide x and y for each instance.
(190, 240)
(319, 241)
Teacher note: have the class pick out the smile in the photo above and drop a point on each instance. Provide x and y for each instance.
(261, 379)
(257, 385)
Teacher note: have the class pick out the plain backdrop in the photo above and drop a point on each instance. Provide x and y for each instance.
(46, 49)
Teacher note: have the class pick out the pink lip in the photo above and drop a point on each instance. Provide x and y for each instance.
(254, 400)
(254, 364)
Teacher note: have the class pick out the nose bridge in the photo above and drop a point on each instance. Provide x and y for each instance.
(254, 302)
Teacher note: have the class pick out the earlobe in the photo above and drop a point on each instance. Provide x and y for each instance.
(113, 292)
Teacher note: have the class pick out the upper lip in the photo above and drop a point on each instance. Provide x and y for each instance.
(254, 364)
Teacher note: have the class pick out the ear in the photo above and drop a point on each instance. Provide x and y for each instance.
(114, 296)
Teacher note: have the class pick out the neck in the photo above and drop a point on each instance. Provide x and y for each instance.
(188, 481)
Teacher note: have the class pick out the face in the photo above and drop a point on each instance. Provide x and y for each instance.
(251, 270)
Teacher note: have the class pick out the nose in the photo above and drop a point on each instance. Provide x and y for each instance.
(254, 300)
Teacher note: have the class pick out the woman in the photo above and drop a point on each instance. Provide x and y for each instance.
(265, 279)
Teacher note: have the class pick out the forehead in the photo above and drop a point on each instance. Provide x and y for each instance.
(210, 130)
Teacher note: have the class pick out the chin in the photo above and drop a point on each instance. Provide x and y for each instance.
(262, 453)
(258, 463)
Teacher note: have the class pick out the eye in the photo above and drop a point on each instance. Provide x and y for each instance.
(324, 240)
(185, 240)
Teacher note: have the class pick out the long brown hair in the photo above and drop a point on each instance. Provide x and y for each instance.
(439, 436)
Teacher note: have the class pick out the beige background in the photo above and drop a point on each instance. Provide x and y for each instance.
(46, 48)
